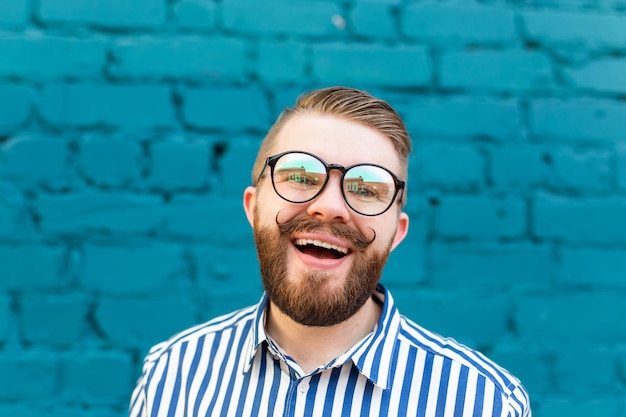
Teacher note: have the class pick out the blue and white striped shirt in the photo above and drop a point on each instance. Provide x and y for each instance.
(230, 367)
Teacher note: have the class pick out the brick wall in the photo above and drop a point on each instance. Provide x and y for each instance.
(124, 127)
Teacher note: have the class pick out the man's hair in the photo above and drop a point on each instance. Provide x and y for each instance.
(348, 104)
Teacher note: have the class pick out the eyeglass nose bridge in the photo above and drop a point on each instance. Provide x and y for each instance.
(329, 168)
(340, 168)
(272, 161)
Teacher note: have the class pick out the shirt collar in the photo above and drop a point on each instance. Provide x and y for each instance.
(257, 336)
(372, 356)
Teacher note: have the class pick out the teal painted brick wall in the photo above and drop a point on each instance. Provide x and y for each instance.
(127, 134)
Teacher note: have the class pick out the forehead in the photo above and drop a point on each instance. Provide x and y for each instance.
(337, 141)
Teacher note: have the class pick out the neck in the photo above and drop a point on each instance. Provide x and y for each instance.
(312, 347)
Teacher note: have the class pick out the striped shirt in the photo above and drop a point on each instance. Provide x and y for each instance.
(230, 367)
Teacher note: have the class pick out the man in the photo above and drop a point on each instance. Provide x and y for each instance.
(326, 338)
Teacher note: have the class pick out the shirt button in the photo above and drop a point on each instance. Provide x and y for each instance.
(303, 387)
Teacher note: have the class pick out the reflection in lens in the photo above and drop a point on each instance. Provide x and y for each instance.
(368, 189)
(298, 177)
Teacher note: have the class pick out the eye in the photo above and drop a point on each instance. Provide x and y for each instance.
(298, 177)
(304, 178)
(362, 190)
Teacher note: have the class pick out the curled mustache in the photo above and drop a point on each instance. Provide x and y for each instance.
(309, 224)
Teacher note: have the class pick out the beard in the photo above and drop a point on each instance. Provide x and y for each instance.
(314, 299)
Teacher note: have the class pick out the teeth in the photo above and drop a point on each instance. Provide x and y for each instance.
(319, 243)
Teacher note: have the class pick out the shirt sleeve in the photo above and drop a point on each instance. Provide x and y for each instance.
(519, 403)
(137, 406)
(139, 403)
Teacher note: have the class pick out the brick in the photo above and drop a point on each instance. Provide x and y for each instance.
(235, 165)
(363, 13)
(96, 157)
(196, 14)
(13, 13)
(576, 29)
(516, 358)
(578, 406)
(472, 116)
(143, 322)
(108, 14)
(56, 409)
(581, 170)
(176, 164)
(294, 18)
(13, 218)
(31, 267)
(508, 70)
(621, 166)
(475, 320)
(559, 218)
(621, 361)
(93, 212)
(583, 120)
(5, 316)
(217, 306)
(576, 374)
(518, 166)
(398, 66)
(480, 218)
(446, 166)
(226, 271)
(135, 269)
(568, 318)
(482, 266)
(115, 105)
(29, 376)
(41, 315)
(15, 106)
(111, 387)
(215, 59)
(228, 278)
(35, 160)
(284, 98)
(64, 57)
(8, 216)
(561, 168)
(186, 218)
(601, 75)
(228, 108)
(399, 272)
(281, 61)
(454, 23)
(593, 266)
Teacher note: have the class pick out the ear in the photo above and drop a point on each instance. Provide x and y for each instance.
(401, 230)
(249, 201)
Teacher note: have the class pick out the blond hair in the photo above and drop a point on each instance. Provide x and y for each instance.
(346, 103)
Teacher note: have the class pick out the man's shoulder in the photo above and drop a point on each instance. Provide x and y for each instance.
(449, 349)
(205, 331)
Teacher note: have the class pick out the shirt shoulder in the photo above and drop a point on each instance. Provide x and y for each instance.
(226, 322)
(507, 384)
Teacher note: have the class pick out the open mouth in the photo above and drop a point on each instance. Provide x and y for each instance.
(319, 249)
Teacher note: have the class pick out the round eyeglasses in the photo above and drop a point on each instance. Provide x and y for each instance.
(299, 177)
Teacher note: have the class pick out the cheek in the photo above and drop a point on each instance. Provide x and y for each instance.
(385, 232)
(270, 207)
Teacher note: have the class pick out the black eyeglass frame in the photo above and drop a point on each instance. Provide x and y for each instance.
(271, 162)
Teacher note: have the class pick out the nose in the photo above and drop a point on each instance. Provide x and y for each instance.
(330, 206)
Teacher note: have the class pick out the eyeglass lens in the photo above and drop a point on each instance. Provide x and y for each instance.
(299, 177)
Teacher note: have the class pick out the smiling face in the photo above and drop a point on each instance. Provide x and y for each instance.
(320, 261)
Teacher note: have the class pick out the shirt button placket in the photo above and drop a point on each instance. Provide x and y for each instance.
(303, 386)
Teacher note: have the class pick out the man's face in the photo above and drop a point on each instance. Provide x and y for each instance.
(320, 260)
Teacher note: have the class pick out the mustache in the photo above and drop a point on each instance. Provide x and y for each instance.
(309, 224)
